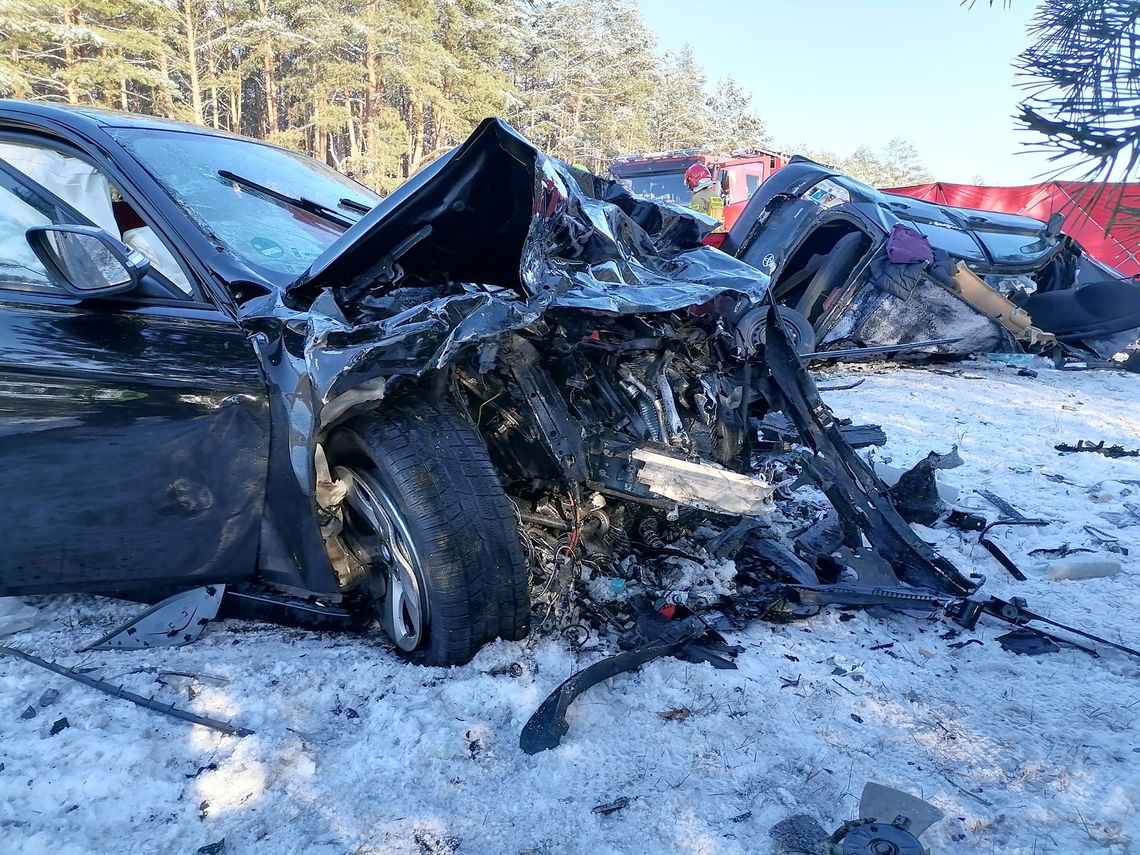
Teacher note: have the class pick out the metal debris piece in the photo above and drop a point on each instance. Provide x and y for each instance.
(120, 692)
(996, 551)
(858, 496)
(175, 621)
(1113, 451)
(1027, 642)
(890, 823)
(611, 807)
(1004, 560)
(1008, 510)
(208, 679)
(1059, 551)
(843, 387)
(1014, 611)
(866, 596)
(964, 611)
(876, 838)
(861, 436)
(703, 484)
(881, 802)
(878, 349)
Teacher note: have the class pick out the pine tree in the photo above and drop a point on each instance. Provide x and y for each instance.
(733, 121)
(585, 79)
(679, 114)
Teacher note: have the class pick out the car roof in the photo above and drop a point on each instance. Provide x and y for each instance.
(86, 117)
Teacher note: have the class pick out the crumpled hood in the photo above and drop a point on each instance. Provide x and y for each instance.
(497, 212)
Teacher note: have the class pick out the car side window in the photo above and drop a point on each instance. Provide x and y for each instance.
(88, 191)
(20, 209)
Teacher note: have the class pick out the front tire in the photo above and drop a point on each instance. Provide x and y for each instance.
(427, 514)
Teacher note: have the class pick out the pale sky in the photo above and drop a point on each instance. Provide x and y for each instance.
(839, 73)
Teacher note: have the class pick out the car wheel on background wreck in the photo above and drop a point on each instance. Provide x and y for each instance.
(426, 512)
(751, 333)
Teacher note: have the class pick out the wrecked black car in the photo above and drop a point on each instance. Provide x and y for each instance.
(224, 363)
(856, 266)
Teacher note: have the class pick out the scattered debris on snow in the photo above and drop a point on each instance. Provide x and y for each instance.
(1025, 755)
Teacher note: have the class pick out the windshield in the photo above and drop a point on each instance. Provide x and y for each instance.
(234, 190)
(661, 187)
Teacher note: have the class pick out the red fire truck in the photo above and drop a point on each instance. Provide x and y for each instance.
(661, 175)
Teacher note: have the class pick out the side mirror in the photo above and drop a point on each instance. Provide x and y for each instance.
(724, 177)
(86, 261)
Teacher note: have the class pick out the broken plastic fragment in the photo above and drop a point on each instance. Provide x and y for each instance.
(175, 621)
(1027, 642)
(15, 615)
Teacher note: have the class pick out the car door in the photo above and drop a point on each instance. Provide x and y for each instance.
(133, 429)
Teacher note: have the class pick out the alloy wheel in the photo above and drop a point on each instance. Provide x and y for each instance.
(376, 532)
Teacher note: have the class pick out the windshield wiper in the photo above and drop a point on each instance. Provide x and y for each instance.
(353, 205)
(299, 202)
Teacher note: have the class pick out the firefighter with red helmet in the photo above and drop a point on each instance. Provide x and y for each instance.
(705, 198)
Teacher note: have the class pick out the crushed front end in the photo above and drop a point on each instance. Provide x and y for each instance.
(640, 400)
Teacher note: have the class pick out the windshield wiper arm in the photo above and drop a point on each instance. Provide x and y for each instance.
(353, 205)
(299, 202)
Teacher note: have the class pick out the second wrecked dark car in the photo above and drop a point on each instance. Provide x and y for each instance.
(867, 267)
(504, 374)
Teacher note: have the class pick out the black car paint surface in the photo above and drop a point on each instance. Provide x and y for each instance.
(134, 440)
(134, 430)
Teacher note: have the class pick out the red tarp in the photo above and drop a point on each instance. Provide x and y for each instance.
(1087, 208)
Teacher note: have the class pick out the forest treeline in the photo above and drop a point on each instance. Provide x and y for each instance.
(378, 88)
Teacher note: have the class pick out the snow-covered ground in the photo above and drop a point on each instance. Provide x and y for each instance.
(356, 752)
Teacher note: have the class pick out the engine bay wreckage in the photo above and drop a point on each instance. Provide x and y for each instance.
(864, 267)
(607, 358)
